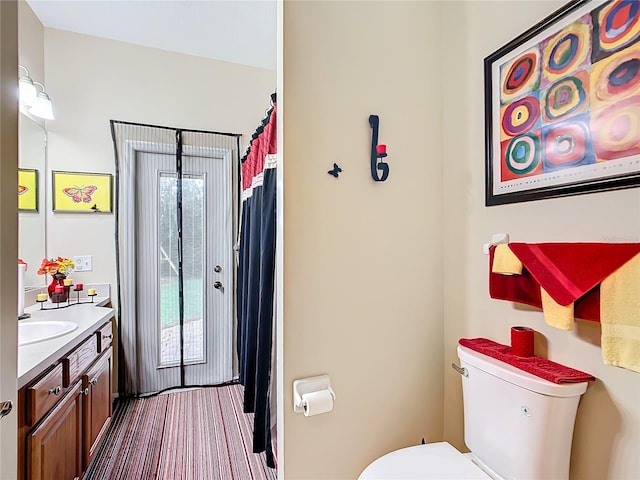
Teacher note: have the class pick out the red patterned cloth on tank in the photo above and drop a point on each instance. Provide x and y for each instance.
(540, 367)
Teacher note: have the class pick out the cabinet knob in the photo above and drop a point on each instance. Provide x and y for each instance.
(108, 337)
(217, 285)
(94, 381)
(85, 391)
(55, 391)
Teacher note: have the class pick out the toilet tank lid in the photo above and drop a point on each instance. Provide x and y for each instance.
(425, 462)
(519, 377)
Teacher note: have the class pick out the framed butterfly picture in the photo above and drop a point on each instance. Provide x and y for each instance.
(27, 190)
(75, 192)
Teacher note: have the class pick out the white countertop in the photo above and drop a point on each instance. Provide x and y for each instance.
(35, 358)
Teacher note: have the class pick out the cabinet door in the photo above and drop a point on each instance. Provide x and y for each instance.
(97, 405)
(54, 447)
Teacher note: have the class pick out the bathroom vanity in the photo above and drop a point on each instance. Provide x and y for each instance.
(65, 393)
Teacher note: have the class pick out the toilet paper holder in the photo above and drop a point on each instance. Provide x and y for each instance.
(309, 385)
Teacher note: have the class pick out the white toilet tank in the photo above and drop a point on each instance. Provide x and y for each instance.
(517, 425)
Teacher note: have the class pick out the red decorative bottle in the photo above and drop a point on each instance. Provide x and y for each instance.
(58, 280)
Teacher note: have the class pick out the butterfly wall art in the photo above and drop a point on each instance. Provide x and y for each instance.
(27, 190)
(335, 171)
(82, 192)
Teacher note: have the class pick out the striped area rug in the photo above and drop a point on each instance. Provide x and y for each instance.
(200, 434)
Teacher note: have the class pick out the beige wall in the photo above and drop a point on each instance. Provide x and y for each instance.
(31, 44)
(93, 80)
(348, 239)
(362, 260)
(607, 435)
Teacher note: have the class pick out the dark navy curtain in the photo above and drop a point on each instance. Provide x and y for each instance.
(256, 280)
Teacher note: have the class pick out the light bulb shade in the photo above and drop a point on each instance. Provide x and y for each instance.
(42, 107)
(28, 91)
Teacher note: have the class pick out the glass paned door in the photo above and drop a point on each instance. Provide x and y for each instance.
(206, 262)
(192, 266)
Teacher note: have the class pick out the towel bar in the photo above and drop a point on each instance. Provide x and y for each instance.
(496, 239)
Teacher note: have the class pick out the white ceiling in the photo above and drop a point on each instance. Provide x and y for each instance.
(238, 31)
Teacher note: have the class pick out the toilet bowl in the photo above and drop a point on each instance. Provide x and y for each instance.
(425, 462)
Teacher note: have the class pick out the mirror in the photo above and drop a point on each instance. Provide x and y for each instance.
(32, 155)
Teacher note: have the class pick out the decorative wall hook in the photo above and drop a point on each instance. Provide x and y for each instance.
(377, 152)
(336, 170)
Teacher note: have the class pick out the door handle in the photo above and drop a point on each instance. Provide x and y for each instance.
(5, 408)
(217, 285)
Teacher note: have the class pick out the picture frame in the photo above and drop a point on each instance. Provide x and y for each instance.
(562, 105)
(27, 190)
(76, 192)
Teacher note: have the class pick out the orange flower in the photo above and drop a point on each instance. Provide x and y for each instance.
(63, 266)
(48, 266)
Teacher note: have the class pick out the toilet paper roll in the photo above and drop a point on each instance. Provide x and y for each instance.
(522, 341)
(315, 403)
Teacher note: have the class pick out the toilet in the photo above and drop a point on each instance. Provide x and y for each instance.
(516, 425)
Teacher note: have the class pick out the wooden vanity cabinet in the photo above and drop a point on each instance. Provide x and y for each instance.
(65, 413)
(54, 447)
(97, 405)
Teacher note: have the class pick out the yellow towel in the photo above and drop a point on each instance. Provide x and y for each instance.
(505, 262)
(555, 314)
(620, 316)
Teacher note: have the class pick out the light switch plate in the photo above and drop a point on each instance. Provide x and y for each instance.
(84, 263)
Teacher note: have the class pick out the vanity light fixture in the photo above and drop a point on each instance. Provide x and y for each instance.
(42, 107)
(28, 91)
(39, 102)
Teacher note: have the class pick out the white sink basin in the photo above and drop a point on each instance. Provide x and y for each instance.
(38, 331)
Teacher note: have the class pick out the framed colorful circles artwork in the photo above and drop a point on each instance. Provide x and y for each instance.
(562, 105)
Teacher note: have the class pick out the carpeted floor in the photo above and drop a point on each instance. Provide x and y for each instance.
(200, 434)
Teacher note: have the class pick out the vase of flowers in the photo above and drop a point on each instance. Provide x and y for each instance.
(58, 269)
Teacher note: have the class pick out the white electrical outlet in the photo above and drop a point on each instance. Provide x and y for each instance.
(83, 263)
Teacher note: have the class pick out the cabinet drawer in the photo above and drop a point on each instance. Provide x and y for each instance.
(79, 360)
(44, 394)
(105, 337)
